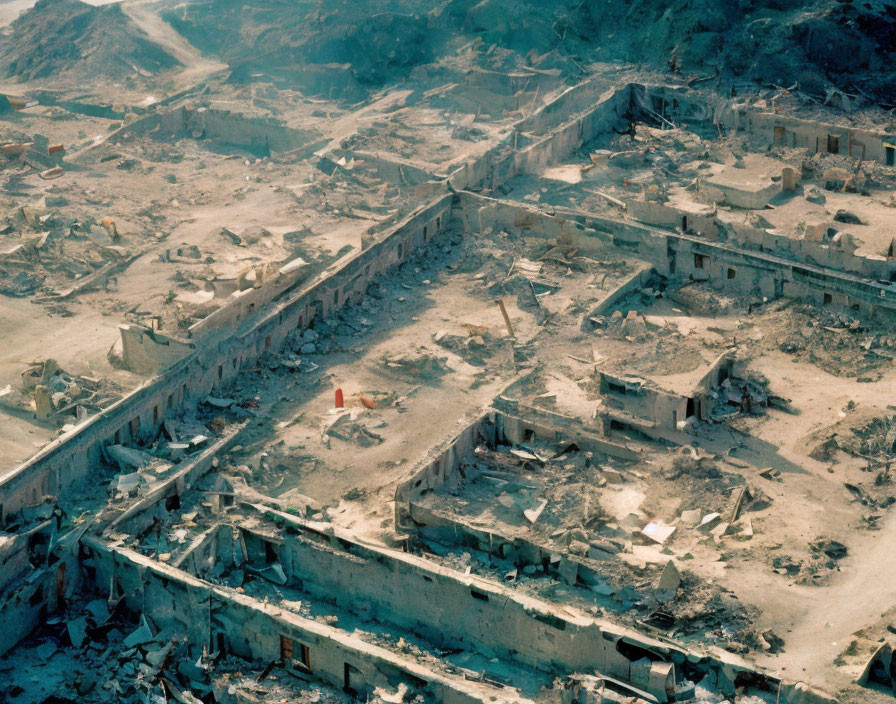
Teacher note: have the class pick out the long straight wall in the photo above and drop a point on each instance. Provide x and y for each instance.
(220, 619)
(218, 360)
(454, 611)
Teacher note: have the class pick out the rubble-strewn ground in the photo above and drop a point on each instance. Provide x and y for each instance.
(779, 503)
(105, 668)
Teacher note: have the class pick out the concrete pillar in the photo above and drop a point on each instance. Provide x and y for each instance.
(789, 178)
(42, 404)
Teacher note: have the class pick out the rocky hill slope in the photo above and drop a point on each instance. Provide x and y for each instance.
(71, 39)
(351, 46)
(818, 44)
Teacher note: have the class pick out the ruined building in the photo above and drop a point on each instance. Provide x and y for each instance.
(501, 382)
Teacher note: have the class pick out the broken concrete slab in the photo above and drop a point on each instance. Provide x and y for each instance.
(77, 631)
(658, 531)
(129, 458)
(141, 635)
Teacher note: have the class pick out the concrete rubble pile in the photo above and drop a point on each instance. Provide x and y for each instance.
(487, 352)
(51, 394)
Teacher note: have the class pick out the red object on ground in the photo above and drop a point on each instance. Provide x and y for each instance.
(340, 402)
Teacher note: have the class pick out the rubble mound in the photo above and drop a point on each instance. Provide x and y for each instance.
(838, 343)
(863, 432)
(73, 39)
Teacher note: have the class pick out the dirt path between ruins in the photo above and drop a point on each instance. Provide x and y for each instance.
(860, 594)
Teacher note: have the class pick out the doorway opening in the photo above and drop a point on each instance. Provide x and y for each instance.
(833, 144)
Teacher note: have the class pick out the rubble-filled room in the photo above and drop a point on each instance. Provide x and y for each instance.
(444, 353)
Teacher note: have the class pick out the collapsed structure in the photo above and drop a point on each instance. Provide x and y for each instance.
(510, 422)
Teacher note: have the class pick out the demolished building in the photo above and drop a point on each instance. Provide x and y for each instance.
(496, 432)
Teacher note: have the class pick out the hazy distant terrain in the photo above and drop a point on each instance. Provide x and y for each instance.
(816, 44)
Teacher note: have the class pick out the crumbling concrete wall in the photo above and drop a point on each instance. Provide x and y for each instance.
(637, 398)
(442, 465)
(667, 216)
(480, 91)
(575, 99)
(483, 215)
(838, 255)
(213, 618)
(740, 270)
(517, 154)
(214, 546)
(743, 197)
(242, 303)
(724, 267)
(259, 135)
(673, 254)
(519, 423)
(38, 575)
(146, 352)
(216, 361)
(401, 172)
(612, 107)
(721, 368)
(664, 408)
(672, 105)
(452, 610)
(632, 284)
(815, 137)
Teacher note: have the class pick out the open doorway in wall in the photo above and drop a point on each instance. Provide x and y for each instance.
(351, 681)
(270, 553)
(296, 655)
(690, 408)
(724, 374)
(890, 156)
(305, 656)
(833, 144)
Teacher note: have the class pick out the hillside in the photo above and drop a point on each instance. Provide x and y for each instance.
(69, 38)
(815, 43)
(379, 41)
(348, 47)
